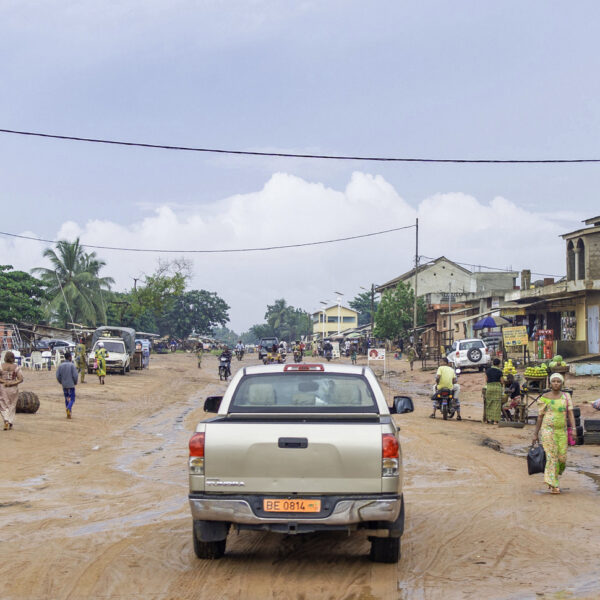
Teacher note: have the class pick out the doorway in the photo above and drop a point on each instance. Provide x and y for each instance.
(593, 329)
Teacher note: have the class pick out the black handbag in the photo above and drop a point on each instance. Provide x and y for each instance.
(536, 459)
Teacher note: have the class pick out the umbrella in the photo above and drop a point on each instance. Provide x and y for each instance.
(488, 321)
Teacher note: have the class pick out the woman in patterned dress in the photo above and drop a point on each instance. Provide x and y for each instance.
(100, 355)
(554, 408)
(10, 378)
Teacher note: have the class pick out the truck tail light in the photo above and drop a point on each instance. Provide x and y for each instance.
(458, 354)
(487, 350)
(196, 460)
(390, 455)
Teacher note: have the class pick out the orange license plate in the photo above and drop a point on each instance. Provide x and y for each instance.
(297, 505)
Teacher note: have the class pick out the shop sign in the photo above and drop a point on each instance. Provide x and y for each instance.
(513, 312)
(515, 336)
(377, 354)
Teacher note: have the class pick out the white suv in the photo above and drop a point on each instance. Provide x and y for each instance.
(469, 354)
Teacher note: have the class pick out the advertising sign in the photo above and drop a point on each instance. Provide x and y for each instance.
(515, 336)
(377, 354)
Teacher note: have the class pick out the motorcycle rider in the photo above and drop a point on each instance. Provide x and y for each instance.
(445, 378)
(327, 349)
(239, 347)
(226, 353)
(297, 350)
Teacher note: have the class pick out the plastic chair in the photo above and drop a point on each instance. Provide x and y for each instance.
(36, 360)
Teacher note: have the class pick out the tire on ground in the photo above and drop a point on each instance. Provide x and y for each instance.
(576, 412)
(592, 424)
(385, 550)
(591, 438)
(208, 550)
(28, 402)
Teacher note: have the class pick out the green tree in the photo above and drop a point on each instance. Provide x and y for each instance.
(394, 317)
(196, 311)
(21, 296)
(74, 288)
(226, 336)
(362, 305)
(287, 322)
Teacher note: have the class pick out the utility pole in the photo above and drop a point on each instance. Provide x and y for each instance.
(416, 281)
(372, 307)
(450, 333)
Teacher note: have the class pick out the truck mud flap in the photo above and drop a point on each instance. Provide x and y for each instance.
(211, 531)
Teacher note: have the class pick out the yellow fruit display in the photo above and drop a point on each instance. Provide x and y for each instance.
(509, 368)
(540, 371)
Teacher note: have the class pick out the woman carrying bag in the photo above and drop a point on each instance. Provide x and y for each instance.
(554, 407)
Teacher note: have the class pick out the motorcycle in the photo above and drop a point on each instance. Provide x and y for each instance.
(328, 355)
(297, 356)
(444, 400)
(224, 371)
(281, 356)
(239, 354)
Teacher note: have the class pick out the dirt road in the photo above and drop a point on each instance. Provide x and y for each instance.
(96, 507)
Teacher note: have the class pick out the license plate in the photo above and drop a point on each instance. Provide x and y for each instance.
(297, 505)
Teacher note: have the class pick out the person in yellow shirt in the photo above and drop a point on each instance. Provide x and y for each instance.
(446, 378)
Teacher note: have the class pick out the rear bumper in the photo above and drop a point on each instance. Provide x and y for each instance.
(337, 510)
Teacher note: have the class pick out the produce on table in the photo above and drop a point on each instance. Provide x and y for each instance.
(509, 368)
(540, 371)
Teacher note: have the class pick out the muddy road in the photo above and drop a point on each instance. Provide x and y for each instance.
(96, 507)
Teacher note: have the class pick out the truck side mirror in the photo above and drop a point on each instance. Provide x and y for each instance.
(212, 404)
(402, 404)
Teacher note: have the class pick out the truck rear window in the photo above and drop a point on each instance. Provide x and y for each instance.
(303, 392)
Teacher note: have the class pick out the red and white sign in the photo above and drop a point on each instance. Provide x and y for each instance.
(377, 354)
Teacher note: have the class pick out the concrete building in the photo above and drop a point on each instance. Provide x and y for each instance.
(568, 308)
(333, 319)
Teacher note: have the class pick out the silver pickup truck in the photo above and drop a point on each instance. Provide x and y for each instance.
(298, 448)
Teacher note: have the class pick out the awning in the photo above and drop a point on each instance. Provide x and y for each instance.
(459, 311)
(478, 316)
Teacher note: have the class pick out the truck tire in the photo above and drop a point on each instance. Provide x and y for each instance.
(592, 424)
(576, 412)
(27, 402)
(385, 550)
(208, 550)
(591, 438)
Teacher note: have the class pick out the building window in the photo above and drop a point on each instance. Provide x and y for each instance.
(349, 319)
(570, 261)
(581, 260)
(332, 319)
(568, 325)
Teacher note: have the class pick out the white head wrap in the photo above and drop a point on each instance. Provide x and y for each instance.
(100, 344)
(557, 376)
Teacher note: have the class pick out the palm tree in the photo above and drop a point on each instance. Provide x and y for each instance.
(74, 286)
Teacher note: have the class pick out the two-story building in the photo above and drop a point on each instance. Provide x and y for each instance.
(332, 320)
(570, 307)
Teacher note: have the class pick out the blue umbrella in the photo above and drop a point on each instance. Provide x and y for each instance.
(488, 321)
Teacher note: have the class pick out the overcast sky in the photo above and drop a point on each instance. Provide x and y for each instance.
(435, 79)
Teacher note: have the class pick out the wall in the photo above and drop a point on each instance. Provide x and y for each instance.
(495, 281)
(438, 277)
(592, 255)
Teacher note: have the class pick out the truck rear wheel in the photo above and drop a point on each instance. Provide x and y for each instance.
(385, 550)
(209, 550)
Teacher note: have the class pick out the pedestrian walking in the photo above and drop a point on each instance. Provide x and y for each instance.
(493, 393)
(353, 354)
(81, 359)
(101, 355)
(199, 353)
(66, 375)
(10, 378)
(555, 411)
(410, 356)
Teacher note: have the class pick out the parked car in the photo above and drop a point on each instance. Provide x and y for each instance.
(295, 449)
(469, 354)
(265, 346)
(118, 359)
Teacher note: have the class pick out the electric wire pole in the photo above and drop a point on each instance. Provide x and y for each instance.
(416, 282)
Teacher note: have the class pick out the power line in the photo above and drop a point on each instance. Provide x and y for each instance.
(294, 155)
(219, 251)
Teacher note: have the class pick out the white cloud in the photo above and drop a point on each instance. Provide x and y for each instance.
(289, 210)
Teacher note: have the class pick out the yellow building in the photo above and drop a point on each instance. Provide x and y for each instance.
(333, 319)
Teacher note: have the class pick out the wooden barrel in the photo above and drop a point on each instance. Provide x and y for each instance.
(28, 402)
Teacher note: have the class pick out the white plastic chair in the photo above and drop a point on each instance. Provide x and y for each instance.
(58, 358)
(36, 360)
(2, 355)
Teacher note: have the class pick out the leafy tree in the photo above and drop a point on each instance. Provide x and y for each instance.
(362, 305)
(226, 336)
(196, 311)
(394, 317)
(256, 332)
(21, 296)
(287, 322)
(74, 287)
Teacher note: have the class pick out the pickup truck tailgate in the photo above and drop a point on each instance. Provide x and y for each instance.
(279, 458)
